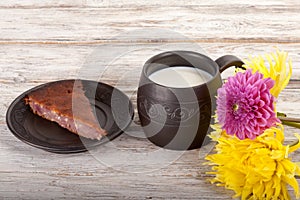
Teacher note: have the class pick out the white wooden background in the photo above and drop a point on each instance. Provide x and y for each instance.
(42, 41)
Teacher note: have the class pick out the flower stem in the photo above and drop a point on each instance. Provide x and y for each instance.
(294, 122)
(289, 121)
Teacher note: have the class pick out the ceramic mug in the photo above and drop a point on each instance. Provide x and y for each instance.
(179, 118)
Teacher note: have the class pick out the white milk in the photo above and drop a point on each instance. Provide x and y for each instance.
(180, 76)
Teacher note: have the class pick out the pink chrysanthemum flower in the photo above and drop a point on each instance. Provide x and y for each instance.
(245, 106)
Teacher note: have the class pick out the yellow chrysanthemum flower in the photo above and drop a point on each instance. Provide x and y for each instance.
(258, 169)
(277, 69)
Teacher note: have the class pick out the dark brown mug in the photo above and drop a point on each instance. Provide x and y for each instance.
(180, 118)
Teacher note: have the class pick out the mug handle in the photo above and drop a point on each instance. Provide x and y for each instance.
(227, 61)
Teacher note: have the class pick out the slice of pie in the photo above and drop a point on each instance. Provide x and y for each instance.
(64, 102)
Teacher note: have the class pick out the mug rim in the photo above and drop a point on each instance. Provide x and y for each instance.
(178, 52)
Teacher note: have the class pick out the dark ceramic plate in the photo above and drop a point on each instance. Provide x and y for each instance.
(113, 109)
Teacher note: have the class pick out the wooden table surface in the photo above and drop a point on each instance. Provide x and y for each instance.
(42, 41)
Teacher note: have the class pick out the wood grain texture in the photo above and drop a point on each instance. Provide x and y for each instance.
(136, 3)
(203, 23)
(42, 41)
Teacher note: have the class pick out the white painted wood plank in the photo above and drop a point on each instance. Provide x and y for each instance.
(127, 3)
(43, 63)
(201, 23)
(29, 173)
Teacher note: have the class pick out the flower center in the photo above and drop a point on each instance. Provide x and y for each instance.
(235, 107)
